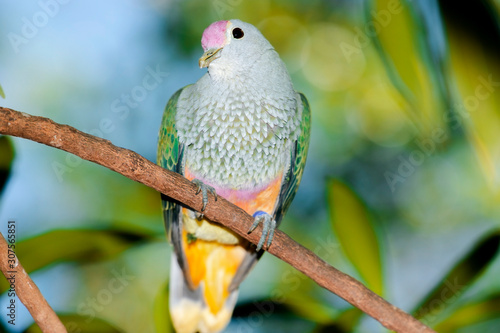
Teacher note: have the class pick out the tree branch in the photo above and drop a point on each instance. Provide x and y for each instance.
(27, 291)
(137, 168)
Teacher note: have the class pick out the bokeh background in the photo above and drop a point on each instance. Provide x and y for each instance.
(401, 188)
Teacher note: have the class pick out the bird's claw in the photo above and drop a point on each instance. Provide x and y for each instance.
(268, 227)
(204, 188)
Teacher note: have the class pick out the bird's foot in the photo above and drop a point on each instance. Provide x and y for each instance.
(268, 227)
(204, 188)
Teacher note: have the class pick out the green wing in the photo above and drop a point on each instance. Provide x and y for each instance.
(168, 142)
(169, 156)
(298, 157)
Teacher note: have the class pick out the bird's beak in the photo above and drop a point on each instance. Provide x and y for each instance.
(209, 56)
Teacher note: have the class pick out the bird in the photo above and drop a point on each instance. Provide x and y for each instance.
(240, 132)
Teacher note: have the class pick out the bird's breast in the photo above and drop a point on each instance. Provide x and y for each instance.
(240, 165)
(236, 138)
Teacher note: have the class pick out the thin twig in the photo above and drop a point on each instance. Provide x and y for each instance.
(137, 168)
(27, 291)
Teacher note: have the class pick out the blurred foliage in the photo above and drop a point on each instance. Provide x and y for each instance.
(77, 324)
(409, 62)
(161, 313)
(474, 36)
(405, 147)
(2, 94)
(7, 155)
(460, 277)
(346, 322)
(81, 246)
(310, 307)
(352, 224)
(470, 314)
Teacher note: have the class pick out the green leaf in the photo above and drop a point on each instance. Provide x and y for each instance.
(6, 157)
(352, 224)
(73, 245)
(471, 314)
(311, 308)
(349, 319)
(77, 324)
(80, 246)
(405, 47)
(459, 278)
(2, 94)
(161, 311)
(344, 323)
(474, 54)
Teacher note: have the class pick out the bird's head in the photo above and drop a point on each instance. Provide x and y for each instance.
(231, 43)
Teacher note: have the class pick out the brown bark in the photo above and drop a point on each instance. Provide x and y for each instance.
(27, 291)
(137, 168)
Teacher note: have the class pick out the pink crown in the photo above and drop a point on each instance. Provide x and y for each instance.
(214, 36)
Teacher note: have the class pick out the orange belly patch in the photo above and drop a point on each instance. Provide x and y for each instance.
(212, 260)
(215, 265)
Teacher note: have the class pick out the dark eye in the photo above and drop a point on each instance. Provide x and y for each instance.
(238, 33)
